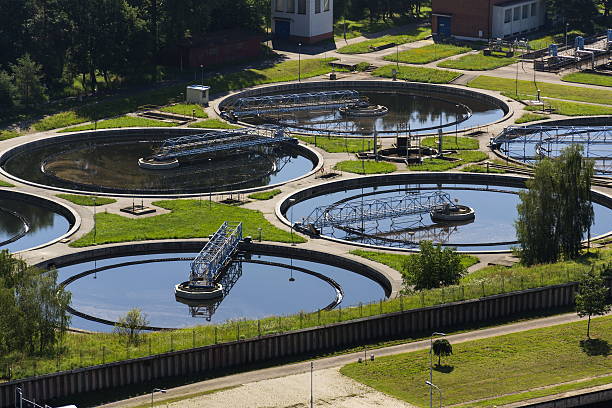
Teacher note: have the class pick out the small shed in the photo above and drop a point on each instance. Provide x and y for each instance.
(197, 94)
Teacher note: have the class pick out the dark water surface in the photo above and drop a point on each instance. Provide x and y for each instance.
(261, 291)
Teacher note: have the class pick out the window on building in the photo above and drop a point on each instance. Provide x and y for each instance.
(325, 5)
(517, 13)
(525, 11)
(317, 6)
(301, 6)
(508, 16)
(280, 5)
(534, 9)
(290, 6)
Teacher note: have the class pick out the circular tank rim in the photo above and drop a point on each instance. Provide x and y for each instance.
(65, 211)
(161, 247)
(7, 153)
(414, 178)
(597, 120)
(374, 85)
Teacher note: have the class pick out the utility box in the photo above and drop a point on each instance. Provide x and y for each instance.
(197, 94)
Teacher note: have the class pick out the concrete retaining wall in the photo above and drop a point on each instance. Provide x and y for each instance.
(241, 354)
(579, 399)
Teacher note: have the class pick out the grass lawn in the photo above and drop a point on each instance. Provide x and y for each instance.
(87, 200)
(6, 184)
(573, 108)
(339, 144)
(478, 62)
(491, 367)
(428, 53)
(587, 78)
(265, 195)
(185, 109)
(181, 223)
(448, 142)
(418, 74)
(356, 28)
(121, 122)
(573, 93)
(530, 117)
(559, 39)
(8, 134)
(396, 261)
(365, 166)
(465, 156)
(477, 168)
(213, 124)
(362, 47)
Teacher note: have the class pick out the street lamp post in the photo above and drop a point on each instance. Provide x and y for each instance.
(154, 391)
(431, 365)
(566, 27)
(311, 397)
(457, 124)
(202, 70)
(291, 202)
(397, 56)
(431, 386)
(299, 62)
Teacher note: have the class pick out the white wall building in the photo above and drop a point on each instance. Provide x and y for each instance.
(517, 17)
(308, 21)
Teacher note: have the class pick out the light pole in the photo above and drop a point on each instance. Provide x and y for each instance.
(154, 391)
(431, 365)
(291, 202)
(566, 27)
(457, 124)
(431, 386)
(299, 62)
(311, 397)
(397, 56)
(202, 70)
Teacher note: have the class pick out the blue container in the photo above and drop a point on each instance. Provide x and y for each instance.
(553, 50)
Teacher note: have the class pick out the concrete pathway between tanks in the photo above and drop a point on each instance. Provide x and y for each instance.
(296, 372)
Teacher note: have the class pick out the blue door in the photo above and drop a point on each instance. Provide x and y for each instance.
(282, 29)
(444, 26)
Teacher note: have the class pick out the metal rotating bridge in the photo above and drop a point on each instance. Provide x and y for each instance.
(218, 141)
(256, 105)
(212, 260)
(345, 214)
(531, 143)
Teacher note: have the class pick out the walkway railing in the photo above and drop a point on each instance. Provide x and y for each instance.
(217, 253)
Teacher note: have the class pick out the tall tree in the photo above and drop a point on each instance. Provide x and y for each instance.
(591, 299)
(432, 267)
(29, 88)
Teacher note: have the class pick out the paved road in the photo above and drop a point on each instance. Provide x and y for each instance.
(341, 360)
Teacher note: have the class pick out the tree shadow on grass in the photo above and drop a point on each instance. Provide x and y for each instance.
(595, 347)
(445, 369)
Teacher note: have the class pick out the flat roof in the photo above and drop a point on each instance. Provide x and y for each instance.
(199, 87)
(513, 3)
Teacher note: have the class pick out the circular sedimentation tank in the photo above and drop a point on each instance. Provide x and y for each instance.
(28, 221)
(480, 217)
(108, 162)
(393, 107)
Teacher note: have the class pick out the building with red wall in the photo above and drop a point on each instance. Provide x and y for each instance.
(484, 19)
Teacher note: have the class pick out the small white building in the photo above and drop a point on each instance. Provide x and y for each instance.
(307, 21)
(517, 17)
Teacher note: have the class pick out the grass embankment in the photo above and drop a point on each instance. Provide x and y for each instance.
(428, 53)
(87, 200)
(186, 110)
(464, 156)
(365, 166)
(451, 143)
(339, 144)
(484, 369)
(114, 106)
(397, 261)
(356, 28)
(479, 168)
(478, 62)
(213, 124)
(530, 117)
(573, 109)
(83, 350)
(265, 195)
(8, 134)
(6, 184)
(120, 122)
(182, 222)
(366, 46)
(418, 74)
(573, 93)
(588, 78)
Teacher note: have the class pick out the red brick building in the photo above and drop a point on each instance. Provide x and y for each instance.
(483, 19)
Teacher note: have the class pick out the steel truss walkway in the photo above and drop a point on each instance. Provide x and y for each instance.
(356, 212)
(216, 254)
(530, 143)
(220, 141)
(256, 105)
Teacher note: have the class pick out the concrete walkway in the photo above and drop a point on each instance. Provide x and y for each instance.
(297, 370)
